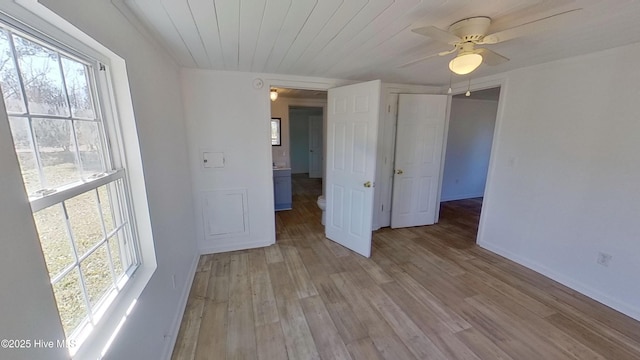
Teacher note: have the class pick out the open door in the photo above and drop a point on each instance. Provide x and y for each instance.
(419, 139)
(352, 123)
(315, 147)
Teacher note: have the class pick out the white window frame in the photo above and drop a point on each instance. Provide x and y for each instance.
(117, 110)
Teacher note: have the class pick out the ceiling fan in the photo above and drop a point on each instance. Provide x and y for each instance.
(465, 34)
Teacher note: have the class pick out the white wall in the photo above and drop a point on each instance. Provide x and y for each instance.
(564, 180)
(469, 140)
(150, 330)
(226, 113)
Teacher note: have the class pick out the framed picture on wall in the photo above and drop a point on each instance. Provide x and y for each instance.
(275, 132)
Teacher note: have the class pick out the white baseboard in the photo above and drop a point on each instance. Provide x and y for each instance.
(233, 245)
(170, 342)
(460, 197)
(627, 309)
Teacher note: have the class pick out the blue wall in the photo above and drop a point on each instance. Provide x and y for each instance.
(299, 137)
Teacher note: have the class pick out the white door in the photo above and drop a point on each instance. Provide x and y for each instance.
(352, 123)
(315, 147)
(419, 139)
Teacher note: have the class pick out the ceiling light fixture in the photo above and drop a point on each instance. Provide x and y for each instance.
(465, 63)
(273, 95)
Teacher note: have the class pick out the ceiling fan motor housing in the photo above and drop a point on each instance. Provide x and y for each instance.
(471, 29)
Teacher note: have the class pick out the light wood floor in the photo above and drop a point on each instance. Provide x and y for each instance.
(426, 293)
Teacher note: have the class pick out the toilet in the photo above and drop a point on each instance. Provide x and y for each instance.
(322, 204)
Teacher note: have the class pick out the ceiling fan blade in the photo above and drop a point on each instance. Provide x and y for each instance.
(437, 34)
(529, 28)
(442, 53)
(491, 57)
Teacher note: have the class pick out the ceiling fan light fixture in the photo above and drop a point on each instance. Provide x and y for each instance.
(273, 94)
(465, 63)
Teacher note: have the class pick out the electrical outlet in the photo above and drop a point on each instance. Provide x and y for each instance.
(604, 259)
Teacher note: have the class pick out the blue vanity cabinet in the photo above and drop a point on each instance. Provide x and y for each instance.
(282, 189)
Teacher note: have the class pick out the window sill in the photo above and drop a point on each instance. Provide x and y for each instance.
(96, 341)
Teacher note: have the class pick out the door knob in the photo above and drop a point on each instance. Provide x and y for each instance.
(399, 172)
(367, 184)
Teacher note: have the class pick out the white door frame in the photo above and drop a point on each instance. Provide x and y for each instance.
(309, 103)
(461, 88)
(264, 86)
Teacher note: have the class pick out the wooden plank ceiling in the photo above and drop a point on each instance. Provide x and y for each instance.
(369, 39)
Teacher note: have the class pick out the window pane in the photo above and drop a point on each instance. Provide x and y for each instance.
(26, 157)
(40, 71)
(71, 304)
(116, 256)
(75, 76)
(121, 242)
(117, 196)
(129, 257)
(118, 243)
(97, 274)
(55, 145)
(54, 239)
(60, 141)
(84, 218)
(105, 207)
(11, 90)
(88, 135)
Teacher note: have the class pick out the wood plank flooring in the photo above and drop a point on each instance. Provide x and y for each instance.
(426, 293)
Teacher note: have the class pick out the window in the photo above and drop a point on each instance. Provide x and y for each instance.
(76, 182)
(275, 132)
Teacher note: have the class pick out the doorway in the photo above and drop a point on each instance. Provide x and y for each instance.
(468, 152)
(302, 116)
(305, 137)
